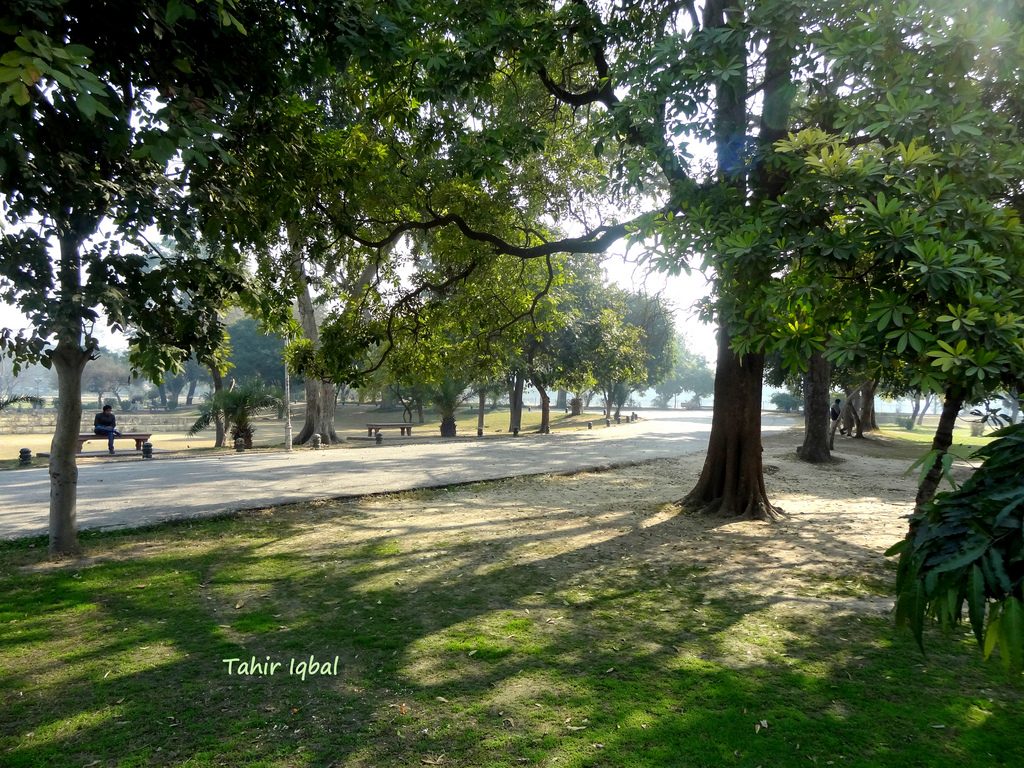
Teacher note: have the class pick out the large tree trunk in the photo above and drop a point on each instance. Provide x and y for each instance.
(940, 445)
(191, 393)
(320, 407)
(175, 396)
(69, 358)
(816, 411)
(448, 427)
(545, 406)
(576, 406)
(867, 422)
(515, 421)
(732, 481)
(69, 361)
(561, 400)
(321, 400)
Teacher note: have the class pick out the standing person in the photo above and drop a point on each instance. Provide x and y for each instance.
(105, 423)
(835, 412)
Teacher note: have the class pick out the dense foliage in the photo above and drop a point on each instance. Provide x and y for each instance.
(966, 548)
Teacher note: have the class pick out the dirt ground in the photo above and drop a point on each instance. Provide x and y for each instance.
(828, 552)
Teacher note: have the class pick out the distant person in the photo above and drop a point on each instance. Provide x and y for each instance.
(836, 411)
(105, 423)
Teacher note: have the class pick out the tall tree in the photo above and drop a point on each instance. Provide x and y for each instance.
(925, 205)
(97, 102)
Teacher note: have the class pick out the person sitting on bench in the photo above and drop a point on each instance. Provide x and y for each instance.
(105, 423)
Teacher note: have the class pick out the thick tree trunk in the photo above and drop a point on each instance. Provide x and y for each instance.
(191, 393)
(732, 481)
(69, 361)
(561, 400)
(448, 425)
(163, 395)
(867, 421)
(940, 445)
(69, 358)
(545, 407)
(321, 400)
(320, 407)
(576, 406)
(515, 421)
(815, 448)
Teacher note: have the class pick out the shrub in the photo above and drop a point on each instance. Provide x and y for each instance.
(966, 547)
(786, 401)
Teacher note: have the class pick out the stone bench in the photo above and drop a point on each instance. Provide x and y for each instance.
(138, 437)
(374, 429)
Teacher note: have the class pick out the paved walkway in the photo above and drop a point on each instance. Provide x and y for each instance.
(126, 494)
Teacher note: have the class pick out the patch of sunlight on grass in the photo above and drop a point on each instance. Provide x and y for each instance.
(144, 658)
(66, 727)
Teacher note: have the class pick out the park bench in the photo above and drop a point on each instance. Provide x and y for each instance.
(374, 429)
(138, 437)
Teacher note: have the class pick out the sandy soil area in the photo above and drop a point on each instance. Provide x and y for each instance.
(828, 552)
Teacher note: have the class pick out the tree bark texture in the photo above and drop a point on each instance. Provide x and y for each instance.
(448, 425)
(218, 422)
(951, 406)
(815, 448)
(69, 361)
(481, 410)
(866, 421)
(515, 420)
(561, 399)
(69, 358)
(545, 407)
(320, 407)
(732, 481)
(321, 400)
(575, 406)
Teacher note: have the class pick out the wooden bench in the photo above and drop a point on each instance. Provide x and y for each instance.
(138, 437)
(404, 426)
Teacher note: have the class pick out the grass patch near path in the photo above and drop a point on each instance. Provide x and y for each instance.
(551, 621)
(964, 443)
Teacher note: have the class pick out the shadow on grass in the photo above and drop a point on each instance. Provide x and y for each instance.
(494, 643)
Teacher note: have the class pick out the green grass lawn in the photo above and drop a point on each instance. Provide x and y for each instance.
(964, 443)
(465, 644)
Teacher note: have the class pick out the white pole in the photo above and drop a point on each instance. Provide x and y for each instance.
(287, 410)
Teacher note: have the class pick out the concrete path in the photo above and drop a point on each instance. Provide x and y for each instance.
(126, 494)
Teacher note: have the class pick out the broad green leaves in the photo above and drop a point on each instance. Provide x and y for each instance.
(967, 547)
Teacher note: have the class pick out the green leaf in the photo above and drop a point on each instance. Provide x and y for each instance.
(976, 603)
(87, 105)
(992, 630)
(962, 559)
(1011, 635)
